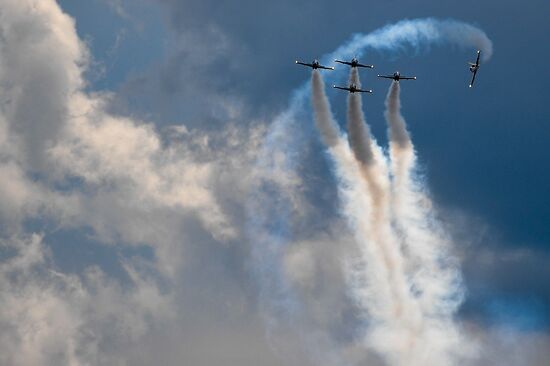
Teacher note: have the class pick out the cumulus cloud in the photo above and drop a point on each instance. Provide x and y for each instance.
(50, 317)
(68, 164)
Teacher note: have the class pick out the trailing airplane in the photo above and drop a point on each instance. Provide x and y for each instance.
(474, 68)
(354, 63)
(314, 65)
(352, 89)
(397, 76)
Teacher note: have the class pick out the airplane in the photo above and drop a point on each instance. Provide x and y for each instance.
(474, 68)
(354, 63)
(314, 65)
(397, 76)
(352, 89)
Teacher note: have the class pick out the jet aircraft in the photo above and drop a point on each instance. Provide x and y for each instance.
(314, 65)
(474, 68)
(352, 89)
(354, 63)
(397, 76)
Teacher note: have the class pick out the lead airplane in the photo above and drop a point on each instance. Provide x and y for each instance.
(352, 89)
(354, 63)
(397, 76)
(314, 65)
(474, 68)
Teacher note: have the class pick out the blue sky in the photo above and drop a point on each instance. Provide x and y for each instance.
(142, 199)
(503, 117)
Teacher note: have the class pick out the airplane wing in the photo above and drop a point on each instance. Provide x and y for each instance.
(407, 77)
(343, 62)
(340, 87)
(473, 78)
(367, 66)
(363, 91)
(304, 64)
(324, 67)
(477, 61)
(386, 76)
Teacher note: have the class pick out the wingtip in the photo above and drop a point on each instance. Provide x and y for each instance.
(332, 68)
(469, 86)
(296, 61)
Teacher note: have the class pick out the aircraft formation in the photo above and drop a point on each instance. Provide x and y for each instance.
(396, 76)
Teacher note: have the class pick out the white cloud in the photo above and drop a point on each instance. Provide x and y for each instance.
(49, 317)
(65, 159)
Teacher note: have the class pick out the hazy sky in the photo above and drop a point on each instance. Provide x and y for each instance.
(130, 136)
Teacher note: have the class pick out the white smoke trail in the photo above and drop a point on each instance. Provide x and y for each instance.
(355, 204)
(283, 151)
(376, 267)
(373, 168)
(395, 336)
(364, 190)
(324, 120)
(359, 132)
(415, 33)
(435, 278)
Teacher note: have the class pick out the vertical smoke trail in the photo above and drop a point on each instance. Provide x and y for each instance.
(401, 148)
(398, 134)
(355, 205)
(359, 132)
(435, 278)
(367, 152)
(323, 116)
(355, 202)
(374, 171)
(363, 189)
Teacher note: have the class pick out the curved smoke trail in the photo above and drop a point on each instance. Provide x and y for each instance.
(278, 180)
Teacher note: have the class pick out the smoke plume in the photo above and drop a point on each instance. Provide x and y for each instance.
(397, 130)
(359, 132)
(321, 108)
(431, 272)
(373, 169)
(383, 291)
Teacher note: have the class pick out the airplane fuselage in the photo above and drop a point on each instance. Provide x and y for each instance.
(474, 67)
